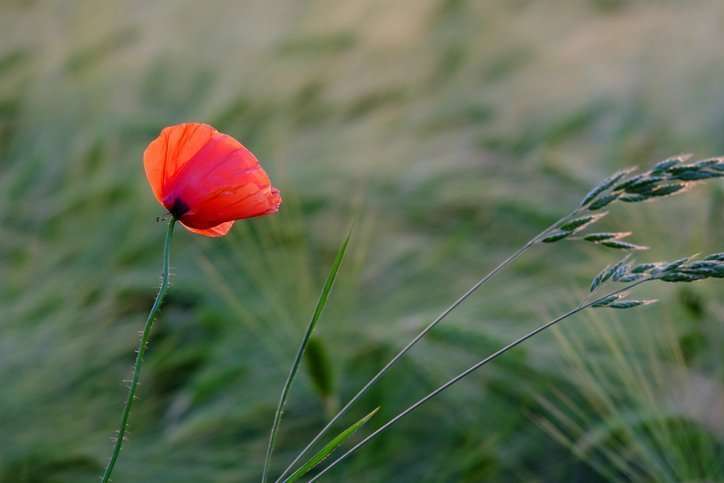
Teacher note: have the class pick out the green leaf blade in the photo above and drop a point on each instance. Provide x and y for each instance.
(322, 454)
(321, 304)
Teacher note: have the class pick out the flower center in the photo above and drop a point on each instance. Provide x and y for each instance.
(178, 208)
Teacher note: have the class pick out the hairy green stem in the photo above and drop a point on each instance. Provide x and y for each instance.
(533, 241)
(473, 368)
(141, 350)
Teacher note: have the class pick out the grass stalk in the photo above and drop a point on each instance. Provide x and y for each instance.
(472, 369)
(518, 253)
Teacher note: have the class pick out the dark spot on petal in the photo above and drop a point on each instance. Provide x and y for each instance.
(179, 208)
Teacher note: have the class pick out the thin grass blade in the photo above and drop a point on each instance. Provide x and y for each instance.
(321, 304)
(329, 447)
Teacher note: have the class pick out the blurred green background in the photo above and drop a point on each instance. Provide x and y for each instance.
(449, 132)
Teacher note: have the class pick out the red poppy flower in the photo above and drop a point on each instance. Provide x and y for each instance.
(207, 179)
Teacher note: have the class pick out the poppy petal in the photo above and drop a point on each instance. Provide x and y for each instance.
(223, 181)
(215, 231)
(251, 195)
(207, 179)
(171, 150)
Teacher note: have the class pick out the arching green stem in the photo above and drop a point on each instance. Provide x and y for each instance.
(579, 308)
(517, 254)
(141, 350)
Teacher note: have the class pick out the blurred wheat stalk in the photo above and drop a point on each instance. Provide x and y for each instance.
(641, 415)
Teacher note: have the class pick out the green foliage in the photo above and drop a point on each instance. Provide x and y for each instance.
(319, 368)
(349, 111)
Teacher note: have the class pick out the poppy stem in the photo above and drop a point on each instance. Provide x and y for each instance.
(141, 350)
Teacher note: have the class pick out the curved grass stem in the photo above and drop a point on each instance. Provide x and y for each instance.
(473, 368)
(141, 350)
(533, 241)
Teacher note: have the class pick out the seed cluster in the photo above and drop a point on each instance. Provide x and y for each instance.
(682, 270)
(672, 176)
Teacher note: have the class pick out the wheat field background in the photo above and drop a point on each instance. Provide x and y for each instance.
(449, 132)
